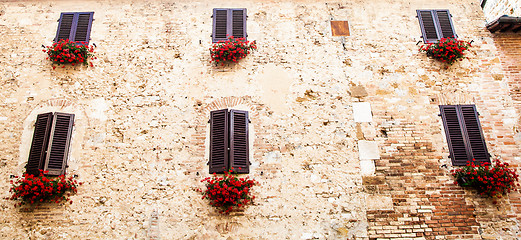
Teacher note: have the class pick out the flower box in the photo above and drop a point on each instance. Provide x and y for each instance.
(228, 192)
(489, 180)
(32, 189)
(69, 52)
(447, 50)
(231, 50)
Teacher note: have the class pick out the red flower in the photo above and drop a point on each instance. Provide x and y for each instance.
(230, 50)
(228, 192)
(488, 180)
(66, 51)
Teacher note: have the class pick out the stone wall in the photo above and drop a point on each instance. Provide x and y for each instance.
(346, 142)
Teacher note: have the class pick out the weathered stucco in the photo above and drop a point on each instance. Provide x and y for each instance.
(142, 111)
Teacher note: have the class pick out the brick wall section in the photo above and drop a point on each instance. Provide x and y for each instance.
(426, 203)
(509, 48)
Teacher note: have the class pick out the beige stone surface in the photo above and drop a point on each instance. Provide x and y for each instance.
(139, 139)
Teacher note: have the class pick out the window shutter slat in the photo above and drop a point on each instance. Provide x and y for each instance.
(220, 24)
(59, 142)
(239, 144)
(39, 143)
(238, 29)
(455, 137)
(219, 144)
(83, 27)
(64, 27)
(476, 140)
(445, 24)
(428, 26)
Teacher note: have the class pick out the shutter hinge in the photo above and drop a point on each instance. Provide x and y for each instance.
(439, 115)
(208, 120)
(211, 16)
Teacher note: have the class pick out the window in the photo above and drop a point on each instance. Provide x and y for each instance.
(75, 26)
(228, 22)
(435, 25)
(229, 143)
(464, 134)
(50, 144)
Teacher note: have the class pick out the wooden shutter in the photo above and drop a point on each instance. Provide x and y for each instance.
(445, 24)
(75, 26)
(227, 23)
(476, 141)
(59, 141)
(37, 154)
(65, 26)
(219, 145)
(455, 136)
(83, 26)
(239, 143)
(220, 25)
(238, 28)
(435, 25)
(464, 135)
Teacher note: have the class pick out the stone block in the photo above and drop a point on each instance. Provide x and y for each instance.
(378, 202)
(362, 112)
(368, 150)
(367, 167)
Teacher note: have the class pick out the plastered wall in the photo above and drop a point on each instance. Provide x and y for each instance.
(326, 170)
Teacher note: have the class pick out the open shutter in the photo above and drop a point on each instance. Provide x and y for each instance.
(455, 135)
(476, 141)
(65, 27)
(220, 25)
(38, 150)
(83, 26)
(59, 141)
(219, 145)
(428, 26)
(238, 29)
(239, 143)
(445, 25)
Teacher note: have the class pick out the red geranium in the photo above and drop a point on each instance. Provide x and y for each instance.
(231, 50)
(447, 50)
(228, 192)
(32, 189)
(492, 181)
(66, 51)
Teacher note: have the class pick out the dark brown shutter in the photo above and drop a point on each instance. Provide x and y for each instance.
(220, 25)
(219, 145)
(239, 144)
(428, 26)
(238, 29)
(445, 24)
(37, 154)
(59, 142)
(476, 141)
(455, 135)
(64, 26)
(83, 26)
